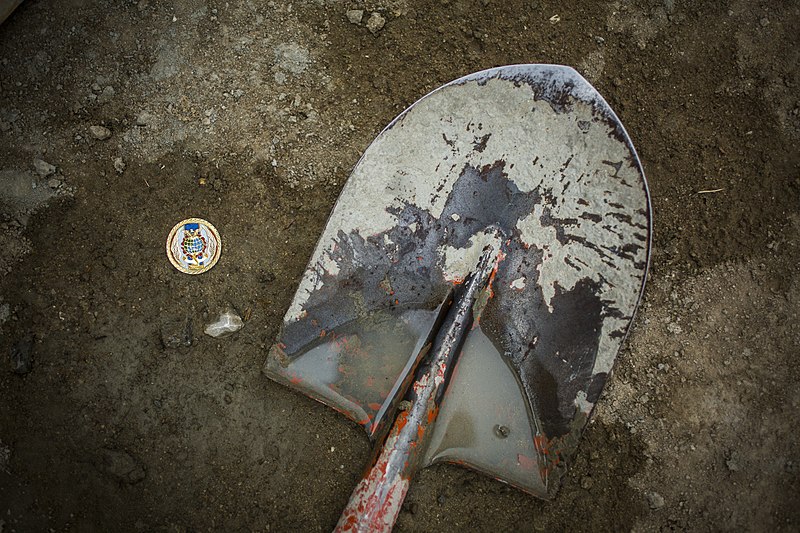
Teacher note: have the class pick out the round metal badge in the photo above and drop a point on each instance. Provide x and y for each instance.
(194, 246)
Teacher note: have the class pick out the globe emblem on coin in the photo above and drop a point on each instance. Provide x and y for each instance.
(193, 246)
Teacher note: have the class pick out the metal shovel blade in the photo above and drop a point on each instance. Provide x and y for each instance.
(529, 160)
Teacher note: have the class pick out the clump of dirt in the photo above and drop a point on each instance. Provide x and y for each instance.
(251, 115)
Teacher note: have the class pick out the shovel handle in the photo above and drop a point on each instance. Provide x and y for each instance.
(376, 500)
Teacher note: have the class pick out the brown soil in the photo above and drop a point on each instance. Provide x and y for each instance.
(250, 114)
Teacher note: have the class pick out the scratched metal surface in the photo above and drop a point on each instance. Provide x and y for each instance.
(532, 159)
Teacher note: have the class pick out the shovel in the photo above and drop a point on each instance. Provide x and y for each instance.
(474, 283)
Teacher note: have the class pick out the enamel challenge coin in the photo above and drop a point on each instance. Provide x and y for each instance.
(194, 246)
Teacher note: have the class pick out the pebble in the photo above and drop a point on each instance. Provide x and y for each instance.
(176, 332)
(122, 466)
(673, 328)
(22, 355)
(655, 500)
(119, 165)
(355, 15)
(145, 119)
(587, 482)
(375, 23)
(5, 458)
(228, 322)
(106, 95)
(54, 183)
(43, 168)
(100, 133)
(109, 262)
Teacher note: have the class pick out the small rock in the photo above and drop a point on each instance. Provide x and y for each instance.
(355, 15)
(22, 355)
(441, 499)
(5, 459)
(655, 500)
(5, 313)
(109, 262)
(732, 462)
(145, 119)
(764, 22)
(228, 399)
(599, 40)
(119, 165)
(54, 183)
(96, 87)
(43, 168)
(375, 23)
(587, 482)
(106, 95)
(228, 322)
(176, 332)
(100, 133)
(121, 466)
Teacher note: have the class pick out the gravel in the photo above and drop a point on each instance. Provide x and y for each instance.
(43, 168)
(106, 95)
(228, 322)
(355, 15)
(145, 119)
(101, 133)
(655, 500)
(5, 459)
(375, 23)
(22, 355)
(119, 165)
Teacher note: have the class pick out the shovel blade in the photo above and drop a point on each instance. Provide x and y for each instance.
(532, 160)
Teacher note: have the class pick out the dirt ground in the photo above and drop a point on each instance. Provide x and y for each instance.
(251, 114)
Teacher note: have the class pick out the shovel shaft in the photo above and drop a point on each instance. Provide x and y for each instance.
(376, 500)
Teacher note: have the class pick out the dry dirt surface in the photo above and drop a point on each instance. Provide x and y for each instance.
(117, 413)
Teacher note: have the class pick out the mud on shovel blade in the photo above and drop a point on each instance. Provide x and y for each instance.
(530, 161)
